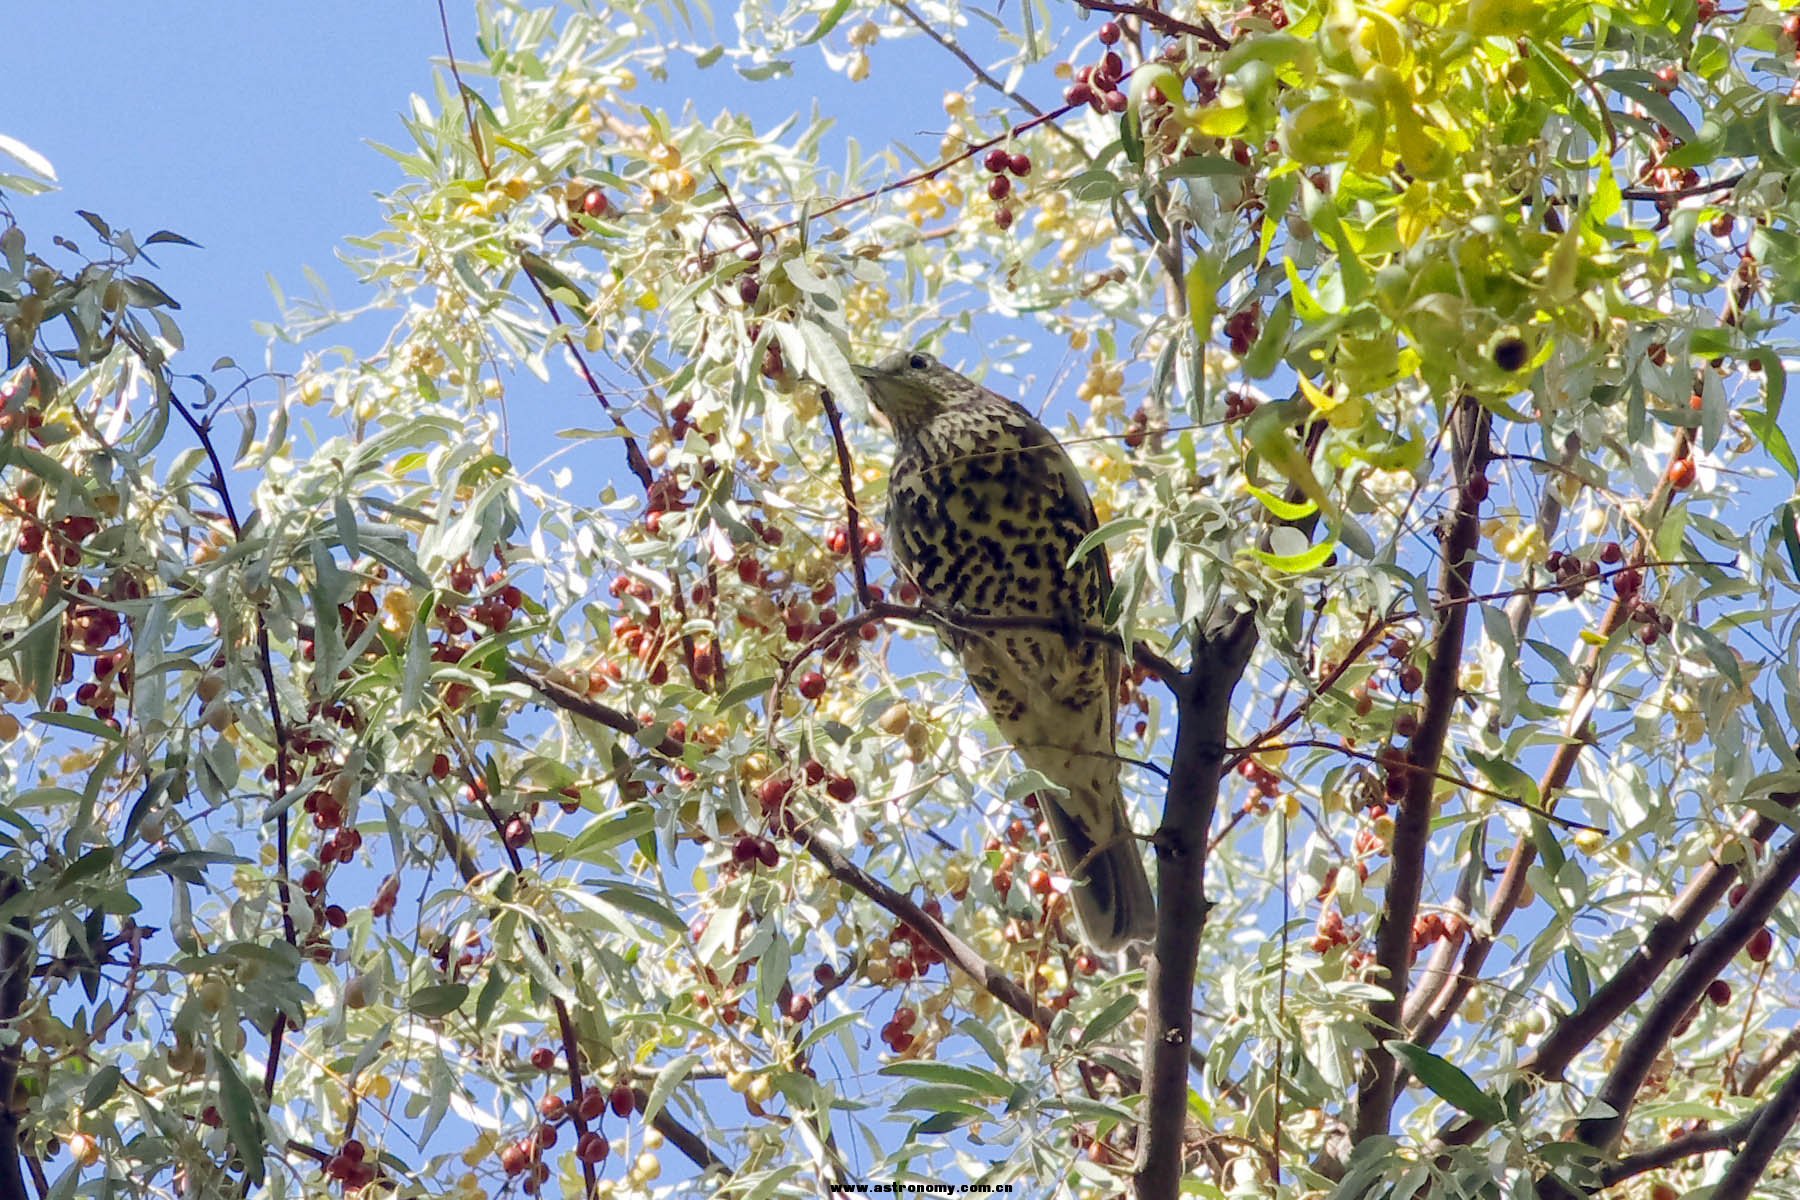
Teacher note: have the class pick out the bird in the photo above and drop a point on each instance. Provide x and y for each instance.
(985, 511)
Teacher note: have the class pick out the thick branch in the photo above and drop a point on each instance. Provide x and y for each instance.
(1688, 1145)
(1470, 426)
(1667, 938)
(1434, 1011)
(1709, 956)
(1203, 715)
(1772, 1126)
(15, 976)
(1769, 1063)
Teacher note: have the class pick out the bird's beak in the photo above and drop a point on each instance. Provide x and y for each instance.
(866, 374)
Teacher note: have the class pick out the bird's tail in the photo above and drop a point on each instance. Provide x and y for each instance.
(1112, 896)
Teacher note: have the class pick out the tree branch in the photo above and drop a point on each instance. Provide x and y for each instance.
(1688, 1145)
(15, 978)
(1709, 956)
(1434, 1011)
(1773, 1123)
(1667, 938)
(1470, 424)
(1155, 19)
(1203, 698)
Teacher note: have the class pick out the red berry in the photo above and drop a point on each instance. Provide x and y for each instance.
(1760, 945)
(592, 1148)
(1109, 33)
(748, 288)
(1019, 164)
(996, 160)
(623, 1100)
(517, 833)
(551, 1107)
(594, 202)
(999, 187)
(773, 792)
(812, 685)
(841, 788)
(543, 1058)
(1003, 218)
(1719, 992)
(593, 1104)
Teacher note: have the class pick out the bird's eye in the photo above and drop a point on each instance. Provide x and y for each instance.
(918, 362)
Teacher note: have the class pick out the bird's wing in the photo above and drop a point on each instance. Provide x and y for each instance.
(1050, 462)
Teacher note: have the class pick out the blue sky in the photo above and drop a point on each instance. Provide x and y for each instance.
(241, 126)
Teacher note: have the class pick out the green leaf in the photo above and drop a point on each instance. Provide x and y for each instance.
(1283, 509)
(640, 903)
(491, 991)
(612, 829)
(1642, 87)
(186, 865)
(242, 1117)
(1506, 777)
(78, 723)
(438, 1000)
(1787, 520)
(825, 362)
(1114, 530)
(1109, 1019)
(101, 1087)
(1298, 564)
(1205, 165)
(551, 276)
(950, 1075)
(94, 862)
(1763, 422)
(828, 22)
(1449, 1082)
(667, 1080)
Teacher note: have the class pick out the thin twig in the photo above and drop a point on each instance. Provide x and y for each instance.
(1161, 22)
(847, 481)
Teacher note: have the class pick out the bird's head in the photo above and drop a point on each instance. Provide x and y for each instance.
(911, 387)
